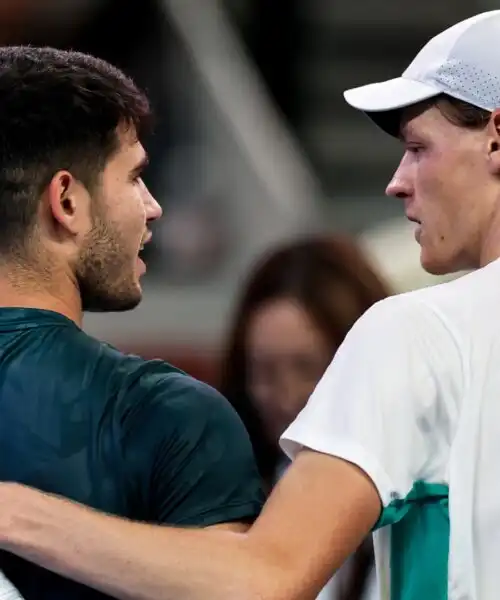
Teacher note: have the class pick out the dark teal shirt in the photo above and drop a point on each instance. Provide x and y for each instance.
(131, 437)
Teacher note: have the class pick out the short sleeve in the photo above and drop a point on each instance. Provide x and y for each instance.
(386, 402)
(192, 456)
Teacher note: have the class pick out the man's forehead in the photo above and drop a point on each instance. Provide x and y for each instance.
(130, 147)
(127, 136)
(420, 120)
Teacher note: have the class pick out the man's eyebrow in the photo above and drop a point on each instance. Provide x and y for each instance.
(139, 168)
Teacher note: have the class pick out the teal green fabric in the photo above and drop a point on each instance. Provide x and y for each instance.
(420, 535)
(130, 437)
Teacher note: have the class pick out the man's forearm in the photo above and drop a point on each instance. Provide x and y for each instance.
(129, 560)
(305, 532)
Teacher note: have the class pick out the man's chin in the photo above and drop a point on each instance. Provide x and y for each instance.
(113, 304)
(437, 267)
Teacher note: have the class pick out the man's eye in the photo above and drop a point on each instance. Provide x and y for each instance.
(414, 148)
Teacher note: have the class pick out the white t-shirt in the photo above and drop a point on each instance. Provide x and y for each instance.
(413, 398)
(7, 590)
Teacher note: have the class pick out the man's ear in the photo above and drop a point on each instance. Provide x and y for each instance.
(68, 203)
(493, 130)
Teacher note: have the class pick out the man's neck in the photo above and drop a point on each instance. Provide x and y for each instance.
(490, 241)
(490, 251)
(24, 291)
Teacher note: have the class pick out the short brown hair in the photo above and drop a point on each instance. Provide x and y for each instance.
(459, 113)
(462, 113)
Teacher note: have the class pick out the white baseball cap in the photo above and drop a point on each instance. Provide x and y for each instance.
(462, 62)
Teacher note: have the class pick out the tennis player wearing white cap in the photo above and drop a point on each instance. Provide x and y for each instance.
(402, 434)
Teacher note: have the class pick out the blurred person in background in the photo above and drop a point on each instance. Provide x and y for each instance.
(295, 309)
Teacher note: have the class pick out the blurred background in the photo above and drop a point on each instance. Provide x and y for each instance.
(254, 145)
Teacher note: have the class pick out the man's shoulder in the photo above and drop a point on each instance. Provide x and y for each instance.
(399, 314)
(111, 374)
(160, 393)
(459, 305)
(416, 321)
(112, 364)
(203, 460)
(138, 385)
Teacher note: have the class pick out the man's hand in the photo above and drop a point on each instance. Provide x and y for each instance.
(319, 513)
(23, 511)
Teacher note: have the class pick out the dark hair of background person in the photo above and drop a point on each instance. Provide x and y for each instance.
(334, 282)
(58, 110)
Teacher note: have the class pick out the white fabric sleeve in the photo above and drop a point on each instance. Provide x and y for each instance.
(383, 401)
(7, 590)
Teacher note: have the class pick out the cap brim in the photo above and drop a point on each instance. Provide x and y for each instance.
(383, 101)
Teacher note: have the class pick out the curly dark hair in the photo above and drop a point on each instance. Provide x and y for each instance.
(58, 110)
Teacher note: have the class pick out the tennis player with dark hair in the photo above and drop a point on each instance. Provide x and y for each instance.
(130, 437)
